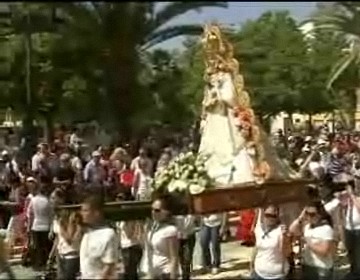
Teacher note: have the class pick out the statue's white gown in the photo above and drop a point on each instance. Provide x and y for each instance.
(229, 160)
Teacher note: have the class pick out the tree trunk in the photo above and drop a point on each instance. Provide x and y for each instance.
(310, 128)
(123, 88)
(49, 128)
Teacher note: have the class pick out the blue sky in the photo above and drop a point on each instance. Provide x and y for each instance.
(239, 12)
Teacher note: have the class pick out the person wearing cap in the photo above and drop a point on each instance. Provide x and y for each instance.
(94, 172)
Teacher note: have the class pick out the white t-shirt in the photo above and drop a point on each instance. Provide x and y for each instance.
(159, 256)
(76, 163)
(41, 210)
(314, 235)
(269, 260)
(35, 162)
(212, 220)
(98, 247)
(331, 205)
(63, 247)
(352, 223)
(316, 169)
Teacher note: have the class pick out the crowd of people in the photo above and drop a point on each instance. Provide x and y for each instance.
(84, 244)
(330, 220)
(62, 173)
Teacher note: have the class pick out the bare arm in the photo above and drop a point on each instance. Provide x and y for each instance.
(356, 201)
(53, 248)
(108, 271)
(285, 243)
(136, 182)
(173, 254)
(297, 225)
(110, 258)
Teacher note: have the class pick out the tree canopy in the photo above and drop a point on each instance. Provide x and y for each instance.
(100, 61)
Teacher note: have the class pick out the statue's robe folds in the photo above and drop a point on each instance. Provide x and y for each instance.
(229, 161)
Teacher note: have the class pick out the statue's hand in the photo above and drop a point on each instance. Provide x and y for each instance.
(211, 102)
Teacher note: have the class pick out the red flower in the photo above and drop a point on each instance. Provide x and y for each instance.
(244, 117)
(127, 178)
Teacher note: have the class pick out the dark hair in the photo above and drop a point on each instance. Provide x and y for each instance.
(95, 202)
(312, 192)
(42, 189)
(324, 216)
(275, 207)
(316, 157)
(277, 210)
(167, 201)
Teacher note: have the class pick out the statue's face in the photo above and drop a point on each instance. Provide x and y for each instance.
(211, 38)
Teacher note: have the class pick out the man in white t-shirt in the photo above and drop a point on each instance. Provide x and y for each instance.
(99, 246)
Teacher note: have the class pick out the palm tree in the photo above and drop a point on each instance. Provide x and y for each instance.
(113, 37)
(344, 23)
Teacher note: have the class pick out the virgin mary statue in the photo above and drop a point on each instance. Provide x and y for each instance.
(230, 139)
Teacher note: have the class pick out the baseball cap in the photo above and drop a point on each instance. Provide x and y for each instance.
(96, 154)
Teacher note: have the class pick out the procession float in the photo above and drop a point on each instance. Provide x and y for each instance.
(235, 167)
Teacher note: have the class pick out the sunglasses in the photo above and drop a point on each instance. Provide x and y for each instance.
(156, 210)
(311, 214)
(268, 215)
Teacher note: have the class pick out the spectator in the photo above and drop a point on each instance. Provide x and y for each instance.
(40, 214)
(94, 172)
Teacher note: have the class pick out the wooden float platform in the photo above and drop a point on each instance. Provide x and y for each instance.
(234, 198)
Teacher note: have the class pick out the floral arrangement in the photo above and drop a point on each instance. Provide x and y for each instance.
(245, 121)
(185, 173)
(244, 117)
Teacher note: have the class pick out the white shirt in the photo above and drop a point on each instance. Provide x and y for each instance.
(331, 205)
(76, 163)
(315, 235)
(316, 169)
(14, 167)
(98, 247)
(269, 260)
(135, 163)
(63, 247)
(352, 223)
(74, 139)
(213, 220)
(185, 225)
(35, 162)
(159, 256)
(41, 210)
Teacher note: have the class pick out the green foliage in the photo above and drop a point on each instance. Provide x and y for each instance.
(100, 62)
(344, 24)
(274, 62)
(282, 70)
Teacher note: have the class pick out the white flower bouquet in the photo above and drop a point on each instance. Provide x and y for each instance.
(185, 173)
